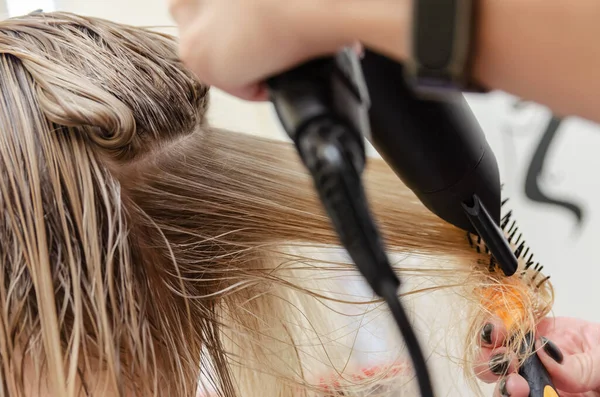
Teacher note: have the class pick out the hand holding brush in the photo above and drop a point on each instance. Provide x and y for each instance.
(568, 348)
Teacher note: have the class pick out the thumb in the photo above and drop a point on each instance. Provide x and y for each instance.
(574, 373)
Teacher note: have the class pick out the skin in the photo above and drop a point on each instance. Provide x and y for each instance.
(577, 376)
(540, 50)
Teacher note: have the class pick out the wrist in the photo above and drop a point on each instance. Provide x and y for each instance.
(324, 25)
(386, 27)
(382, 25)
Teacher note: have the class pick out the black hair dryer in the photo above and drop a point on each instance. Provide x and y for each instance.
(436, 147)
(439, 151)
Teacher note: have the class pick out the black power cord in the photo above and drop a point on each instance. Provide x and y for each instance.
(323, 107)
(390, 294)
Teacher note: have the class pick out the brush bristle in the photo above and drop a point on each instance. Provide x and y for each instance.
(528, 268)
(519, 301)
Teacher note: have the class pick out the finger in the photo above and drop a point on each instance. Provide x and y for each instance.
(255, 92)
(493, 333)
(492, 365)
(513, 385)
(576, 373)
(183, 11)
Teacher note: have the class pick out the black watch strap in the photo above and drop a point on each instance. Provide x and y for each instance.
(441, 48)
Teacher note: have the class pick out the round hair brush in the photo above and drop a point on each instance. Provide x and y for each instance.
(511, 299)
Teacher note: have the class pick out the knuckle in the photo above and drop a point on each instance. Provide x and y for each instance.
(587, 369)
(174, 5)
(196, 55)
(579, 372)
(178, 8)
(186, 49)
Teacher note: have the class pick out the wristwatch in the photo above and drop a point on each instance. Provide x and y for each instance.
(442, 46)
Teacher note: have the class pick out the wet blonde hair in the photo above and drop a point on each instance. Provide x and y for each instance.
(140, 246)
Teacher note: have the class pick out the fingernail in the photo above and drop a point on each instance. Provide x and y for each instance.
(552, 350)
(511, 340)
(499, 364)
(502, 388)
(486, 333)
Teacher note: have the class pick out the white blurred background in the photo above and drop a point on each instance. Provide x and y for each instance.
(568, 171)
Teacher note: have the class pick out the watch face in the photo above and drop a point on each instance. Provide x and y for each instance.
(438, 27)
(441, 44)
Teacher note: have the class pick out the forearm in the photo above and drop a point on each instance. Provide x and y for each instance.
(540, 50)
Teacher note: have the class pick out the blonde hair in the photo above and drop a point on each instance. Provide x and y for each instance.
(140, 246)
